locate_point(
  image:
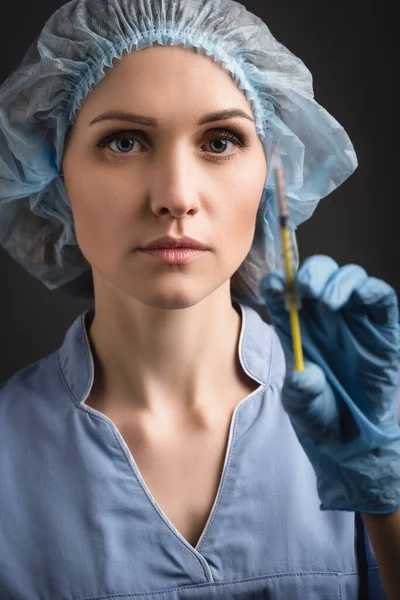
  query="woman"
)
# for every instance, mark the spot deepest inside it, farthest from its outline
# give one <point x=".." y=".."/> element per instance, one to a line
<point x="168" y="449"/>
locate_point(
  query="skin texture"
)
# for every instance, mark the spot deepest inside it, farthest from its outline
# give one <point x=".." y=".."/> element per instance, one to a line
<point x="384" y="533"/>
<point x="164" y="337"/>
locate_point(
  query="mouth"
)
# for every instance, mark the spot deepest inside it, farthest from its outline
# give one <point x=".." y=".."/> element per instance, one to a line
<point x="170" y="243"/>
<point x="177" y="256"/>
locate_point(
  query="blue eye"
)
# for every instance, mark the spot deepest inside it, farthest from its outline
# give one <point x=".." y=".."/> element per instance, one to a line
<point x="124" y="140"/>
<point x="221" y="140"/>
<point x="125" y="143"/>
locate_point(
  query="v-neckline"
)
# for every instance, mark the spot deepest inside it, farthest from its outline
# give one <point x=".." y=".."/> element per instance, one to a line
<point x="228" y="451"/>
<point x="147" y="490"/>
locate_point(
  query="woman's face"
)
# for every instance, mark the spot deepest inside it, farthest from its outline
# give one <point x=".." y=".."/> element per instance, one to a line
<point x="130" y="188"/>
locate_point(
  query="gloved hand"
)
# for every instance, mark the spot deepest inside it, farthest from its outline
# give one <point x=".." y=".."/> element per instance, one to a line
<point x="341" y="406"/>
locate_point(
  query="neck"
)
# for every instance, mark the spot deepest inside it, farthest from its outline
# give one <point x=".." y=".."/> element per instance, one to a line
<point x="165" y="362"/>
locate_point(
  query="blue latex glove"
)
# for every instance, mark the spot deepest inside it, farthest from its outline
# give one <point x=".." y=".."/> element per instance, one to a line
<point x="341" y="406"/>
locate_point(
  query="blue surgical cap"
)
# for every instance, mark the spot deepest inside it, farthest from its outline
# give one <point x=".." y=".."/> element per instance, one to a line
<point x="40" y="99"/>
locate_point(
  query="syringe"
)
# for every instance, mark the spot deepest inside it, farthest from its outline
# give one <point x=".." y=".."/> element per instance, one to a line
<point x="291" y="299"/>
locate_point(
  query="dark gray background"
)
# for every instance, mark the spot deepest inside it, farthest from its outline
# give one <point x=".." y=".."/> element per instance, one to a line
<point x="347" y="47"/>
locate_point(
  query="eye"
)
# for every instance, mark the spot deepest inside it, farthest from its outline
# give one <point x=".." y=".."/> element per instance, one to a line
<point x="225" y="135"/>
<point x="122" y="142"/>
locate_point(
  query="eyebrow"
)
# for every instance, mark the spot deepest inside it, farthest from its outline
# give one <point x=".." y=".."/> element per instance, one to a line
<point x="151" y="122"/>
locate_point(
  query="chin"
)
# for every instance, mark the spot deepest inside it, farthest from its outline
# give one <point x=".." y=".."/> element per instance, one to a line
<point x="176" y="303"/>
<point x="168" y="299"/>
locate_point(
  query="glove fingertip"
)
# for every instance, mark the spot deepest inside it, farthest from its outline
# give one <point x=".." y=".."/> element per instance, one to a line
<point x="273" y="284"/>
<point x="311" y="381"/>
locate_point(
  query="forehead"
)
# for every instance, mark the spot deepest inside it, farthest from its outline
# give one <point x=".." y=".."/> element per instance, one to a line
<point x="167" y="78"/>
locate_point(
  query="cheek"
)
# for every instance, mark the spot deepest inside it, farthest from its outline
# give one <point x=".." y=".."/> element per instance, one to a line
<point x="102" y="211"/>
<point x="92" y="189"/>
<point x="242" y="232"/>
<point x="243" y="203"/>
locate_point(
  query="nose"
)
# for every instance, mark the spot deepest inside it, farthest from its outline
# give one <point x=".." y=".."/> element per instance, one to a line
<point x="175" y="189"/>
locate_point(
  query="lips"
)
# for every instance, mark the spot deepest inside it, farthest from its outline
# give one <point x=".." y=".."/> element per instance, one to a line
<point x="174" y="256"/>
<point x="170" y="243"/>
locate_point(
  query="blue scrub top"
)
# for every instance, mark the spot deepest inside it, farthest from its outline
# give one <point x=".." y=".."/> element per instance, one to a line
<point x="77" y="521"/>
